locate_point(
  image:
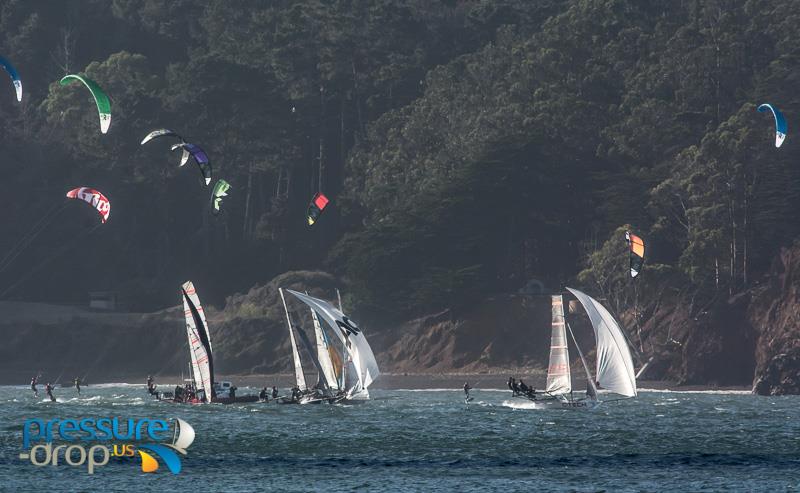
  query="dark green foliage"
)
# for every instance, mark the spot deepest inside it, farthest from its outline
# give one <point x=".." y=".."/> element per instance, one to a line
<point x="468" y="146"/>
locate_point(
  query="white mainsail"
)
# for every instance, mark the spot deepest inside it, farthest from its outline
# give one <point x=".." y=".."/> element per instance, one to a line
<point x="614" y="364"/>
<point x="298" y="367"/>
<point x="559" y="380"/>
<point x="324" y="354"/>
<point x="199" y="341"/>
<point x="350" y="335"/>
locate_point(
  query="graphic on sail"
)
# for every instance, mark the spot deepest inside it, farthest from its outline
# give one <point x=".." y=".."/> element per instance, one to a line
<point x="614" y="364"/>
<point x="199" y="342"/>
<point x="351" y="337"/>
<point x="559" y="380"/>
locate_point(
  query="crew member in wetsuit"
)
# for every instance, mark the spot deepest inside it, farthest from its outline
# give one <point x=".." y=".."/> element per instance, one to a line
<point x="77" y="383"/>
<point x="263" y="396"/>
<point x="151" y="386"/>
<point x="232" y="392"/>
<point x="274" y="392"/>
<point x="515" y="387"/>
<point x="511" y="384"/>
<point x="34" y="381"/>
<point x="467" y="388"/>
<point x="522" y="387"/>
<point x="49" y="389"/>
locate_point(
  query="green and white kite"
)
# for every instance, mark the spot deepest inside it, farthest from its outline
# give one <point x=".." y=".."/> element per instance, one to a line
<point x="220" y="190"/>
<point x="100" y="98"/>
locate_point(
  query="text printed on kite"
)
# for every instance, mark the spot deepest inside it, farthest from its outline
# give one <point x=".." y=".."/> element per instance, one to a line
<point x="100" y="98"/>
<point x="94" y="198"/>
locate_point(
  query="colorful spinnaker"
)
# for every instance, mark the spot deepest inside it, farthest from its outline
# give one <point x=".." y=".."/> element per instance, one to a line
<point x="100" y="98"/>
<point x="14" y="76"/>
<point x="200" y="157"/>
<point x="93" y="197"/>
<point x="780" y="123"/>
<point x="315" y="208"/>
<point x="636" y="247"/>
<point x="220" y="190"/>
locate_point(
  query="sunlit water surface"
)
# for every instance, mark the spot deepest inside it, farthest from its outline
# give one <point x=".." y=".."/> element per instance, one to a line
<point x="408" y="440"/>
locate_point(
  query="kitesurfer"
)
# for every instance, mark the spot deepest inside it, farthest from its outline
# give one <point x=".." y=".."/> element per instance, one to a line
<point x="34" y="381"/>
<point x="49" y="390"/>
<point x="77" y="382"/>
<point x="467" y="388"/>
<point x="274" y="392"/>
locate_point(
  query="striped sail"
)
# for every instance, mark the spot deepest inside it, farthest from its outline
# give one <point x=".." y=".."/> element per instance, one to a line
<point x="559" y="380"/>
<point x="199" y="341"/>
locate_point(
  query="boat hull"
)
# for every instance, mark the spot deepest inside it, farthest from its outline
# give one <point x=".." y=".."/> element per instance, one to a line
<point x="520" y="402"/>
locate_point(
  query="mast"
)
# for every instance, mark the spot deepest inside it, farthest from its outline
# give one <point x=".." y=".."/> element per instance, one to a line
<point x="591" y="389"/>
<point x="345" y="353"/>
<point x="298" y="367"/>
<point x="307" y="344"/>
<point x="326" y="354"/>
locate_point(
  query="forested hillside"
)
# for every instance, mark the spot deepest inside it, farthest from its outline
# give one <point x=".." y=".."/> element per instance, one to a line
<point x="467" y="146"/>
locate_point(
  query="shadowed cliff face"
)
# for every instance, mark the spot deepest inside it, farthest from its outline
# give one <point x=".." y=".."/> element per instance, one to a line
<point x="775" y="312"/>
<point x="752" y="337"/>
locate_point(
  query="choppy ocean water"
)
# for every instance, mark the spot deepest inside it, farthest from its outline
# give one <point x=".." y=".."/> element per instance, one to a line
<point x="410" y="440"/>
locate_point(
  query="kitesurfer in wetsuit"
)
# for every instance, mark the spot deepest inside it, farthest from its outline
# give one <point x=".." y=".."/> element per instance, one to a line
<point x="34" y="381"/>
<point x="467" y="388"/>
<point x="77" y="382"/>
<point x="274" y="392"/>
<point x="49" y="389"/>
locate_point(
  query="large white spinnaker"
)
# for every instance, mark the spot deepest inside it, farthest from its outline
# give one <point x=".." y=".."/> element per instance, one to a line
<point x="352" y="338"/>
<point x="184" y="436"/>
<point x="559" y="380"/>
<point x="326" y="354"/>
<point x="199" y="341"/>
<point x="614" y="364"/>
<point x="300" y="377"/>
